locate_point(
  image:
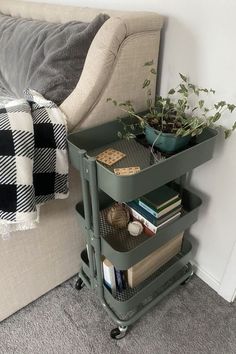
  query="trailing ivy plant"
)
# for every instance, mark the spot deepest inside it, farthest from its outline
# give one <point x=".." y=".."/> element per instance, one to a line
<point x="182" y="112"/>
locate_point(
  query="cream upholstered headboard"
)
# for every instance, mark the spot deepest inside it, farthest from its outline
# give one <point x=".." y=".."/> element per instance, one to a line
<point x="113" y="66"/>
<point x="65" y="13"/>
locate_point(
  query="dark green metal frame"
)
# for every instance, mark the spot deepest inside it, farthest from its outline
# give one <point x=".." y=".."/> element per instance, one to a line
<point x="94" y="178"/>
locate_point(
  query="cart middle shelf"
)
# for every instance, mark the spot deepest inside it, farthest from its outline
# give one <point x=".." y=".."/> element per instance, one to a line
<point x="124" y="250"/>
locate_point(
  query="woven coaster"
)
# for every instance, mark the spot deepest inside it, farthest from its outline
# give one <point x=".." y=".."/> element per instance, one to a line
<point x="110" y="156"/>
<point x="126" y="171"/>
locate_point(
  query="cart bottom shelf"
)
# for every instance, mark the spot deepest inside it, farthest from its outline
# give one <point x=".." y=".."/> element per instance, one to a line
<point x="129" y="293"/>
<point x="148" y="302"/>
<point x="129" y="317"/>
<point x="124" y="303"/>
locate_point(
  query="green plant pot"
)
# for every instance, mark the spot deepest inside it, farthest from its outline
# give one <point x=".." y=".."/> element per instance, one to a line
<point x="166" y="142"/>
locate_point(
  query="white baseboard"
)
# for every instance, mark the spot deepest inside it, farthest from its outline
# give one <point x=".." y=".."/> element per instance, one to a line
<point x="228" y="283"/>
<point x="234" y="296"/>
<point x="207" y="278"/>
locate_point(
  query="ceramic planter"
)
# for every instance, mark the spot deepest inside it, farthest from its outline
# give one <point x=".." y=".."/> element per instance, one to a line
<point x="166" y="142"/>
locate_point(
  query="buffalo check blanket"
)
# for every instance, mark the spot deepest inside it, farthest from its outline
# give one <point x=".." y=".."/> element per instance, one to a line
<point x="33" y="159"/>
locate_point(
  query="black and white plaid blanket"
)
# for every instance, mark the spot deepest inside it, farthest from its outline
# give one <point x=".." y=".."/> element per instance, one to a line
<point x="33" y="159"/>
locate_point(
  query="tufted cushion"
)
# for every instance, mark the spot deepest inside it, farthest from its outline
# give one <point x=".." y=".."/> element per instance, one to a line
<point x="43" y="56"/>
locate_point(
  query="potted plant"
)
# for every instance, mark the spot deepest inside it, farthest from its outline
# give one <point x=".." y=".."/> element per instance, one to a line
<point x="170" y="122"/>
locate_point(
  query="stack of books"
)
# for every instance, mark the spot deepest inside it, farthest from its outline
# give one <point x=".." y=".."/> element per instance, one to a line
<point x="114" y="279"/>
<point x="156" y="209"/>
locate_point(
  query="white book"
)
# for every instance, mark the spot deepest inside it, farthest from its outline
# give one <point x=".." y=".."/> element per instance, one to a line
<point x="148" y="224"/>
<point x="109" y="275"/>
<point x="144" y="221"/>
<point x="172" y="218"/>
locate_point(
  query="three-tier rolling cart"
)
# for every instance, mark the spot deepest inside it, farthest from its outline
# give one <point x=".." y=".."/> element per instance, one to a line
<point x="101" y="187"/>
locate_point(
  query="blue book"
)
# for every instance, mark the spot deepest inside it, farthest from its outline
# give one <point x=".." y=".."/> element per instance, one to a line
<point x="123" y="279"/>
<point x="148" y="209"/>
<point x="150" y="217"/>
<point x="119" y="280"/>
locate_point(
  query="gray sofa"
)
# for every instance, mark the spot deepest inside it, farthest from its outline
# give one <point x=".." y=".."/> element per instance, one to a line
<point x="33" y="262"/>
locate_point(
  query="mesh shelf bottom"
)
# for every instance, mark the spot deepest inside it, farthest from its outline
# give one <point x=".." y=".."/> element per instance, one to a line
<point x="124" y="296"/>
<point x="128" y="293"/>
<point x="119" y="239"/>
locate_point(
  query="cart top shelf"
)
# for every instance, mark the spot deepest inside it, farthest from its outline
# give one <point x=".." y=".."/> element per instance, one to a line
<point x="152" y="175"/>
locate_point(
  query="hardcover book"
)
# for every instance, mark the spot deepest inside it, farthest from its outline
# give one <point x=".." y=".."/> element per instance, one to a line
<point x="109" y="276"/>
<point x="119" y="280"/>
<point x="160" y="197"/>
<point x="148" y="265"/>
<point x="161" y="213"/>
<point x="150" y="217"/>
<point x="150" y="226"/>
<point x="160" y="201"/>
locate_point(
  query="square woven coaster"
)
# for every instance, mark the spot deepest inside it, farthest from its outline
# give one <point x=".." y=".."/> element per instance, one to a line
<point x="110" y="156"/>
<point x="126" y="171"/>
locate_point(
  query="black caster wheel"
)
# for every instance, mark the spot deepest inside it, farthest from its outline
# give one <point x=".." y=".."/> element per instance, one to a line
<point x="187" y="280"/>
<point x="79" y="284"/>
<point x="119" y="332"/>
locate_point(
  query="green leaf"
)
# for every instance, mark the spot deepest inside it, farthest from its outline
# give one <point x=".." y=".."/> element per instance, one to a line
<point x="203" y="90"/>
<point x="179" y="131"/>
<point x="187" y="132"/>
<point x="142" y="124"/>
<point x="184" y="78"/>
<point x="213" y="91"/>
<point x="231" y="107"/>
<point x="130" y="136"/>
<point x="201" y="103"/>
<point x="119" y="134"/>
<point x="227" y="133"/>
<point x="197" y="132"/>
<point x="109" y="99"/>
<point x="171" y="92"/>
<point x="234" y="126"/>
<point x="149" y="63"/>
<point x="153" y="71"/>
<point x="192" y="87"/>
<point x="146" y="83"/>
<point x="216" y="117"/>
<point x="184" y="88"/>
<point x="221" y="103"/>
<point x="114" y="102"/>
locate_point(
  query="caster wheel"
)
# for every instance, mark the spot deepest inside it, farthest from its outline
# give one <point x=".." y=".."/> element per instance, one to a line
<point x="187" y="280"/>
<point x="79" y="284"/>
<point x="119" y="332"/>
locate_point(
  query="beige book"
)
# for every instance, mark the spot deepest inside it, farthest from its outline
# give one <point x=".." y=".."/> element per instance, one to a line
<point x="147" y="266"/>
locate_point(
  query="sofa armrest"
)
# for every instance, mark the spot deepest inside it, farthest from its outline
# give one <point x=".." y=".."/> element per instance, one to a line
<point x="96" y="72"/>
<point x="114" y="68"/>
<point x="136" y="22"/>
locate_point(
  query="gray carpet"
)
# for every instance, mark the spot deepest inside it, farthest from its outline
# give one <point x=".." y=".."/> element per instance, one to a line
<point x="193" y="319"/>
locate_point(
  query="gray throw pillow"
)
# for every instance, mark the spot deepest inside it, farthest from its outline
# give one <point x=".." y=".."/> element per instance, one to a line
<point x="43" y="56"/>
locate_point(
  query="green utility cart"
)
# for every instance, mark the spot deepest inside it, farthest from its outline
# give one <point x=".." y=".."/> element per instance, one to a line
<point x="101" y="187"/>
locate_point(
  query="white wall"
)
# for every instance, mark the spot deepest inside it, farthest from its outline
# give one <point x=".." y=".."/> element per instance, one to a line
<point x="199" y="40"/>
